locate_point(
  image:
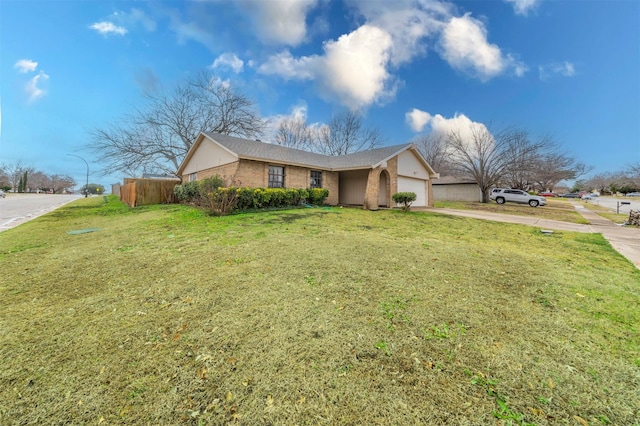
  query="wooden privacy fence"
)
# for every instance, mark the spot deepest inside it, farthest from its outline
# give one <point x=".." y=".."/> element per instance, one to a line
<point x="141" y="192"/>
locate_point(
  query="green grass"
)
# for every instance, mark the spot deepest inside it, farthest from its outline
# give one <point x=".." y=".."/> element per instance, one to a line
<point x="313" y="316"/>
<point x="556" y="209"/>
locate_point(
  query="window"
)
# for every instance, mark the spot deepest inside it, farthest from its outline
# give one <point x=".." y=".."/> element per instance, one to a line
<point x="193" y="177"/>
<point x="276" y="177"/>
<point x="316" y="179"/>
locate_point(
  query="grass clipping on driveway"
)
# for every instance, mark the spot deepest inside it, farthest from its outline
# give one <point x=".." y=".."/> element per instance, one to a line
<point x="312" y="316"/>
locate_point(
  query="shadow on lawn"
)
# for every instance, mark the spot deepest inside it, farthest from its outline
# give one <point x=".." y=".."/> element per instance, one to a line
<point x="289" y="218"/>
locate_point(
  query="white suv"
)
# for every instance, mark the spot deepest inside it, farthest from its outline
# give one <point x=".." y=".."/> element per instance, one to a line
<point x="502" y="195"/>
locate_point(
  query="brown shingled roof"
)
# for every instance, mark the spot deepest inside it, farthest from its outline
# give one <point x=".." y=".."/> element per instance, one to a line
<point x="261" y="151"/>
<point x="256" y="150"/>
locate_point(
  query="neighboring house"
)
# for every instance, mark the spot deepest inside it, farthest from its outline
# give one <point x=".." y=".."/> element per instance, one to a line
<point x="367" y="178"/>
<point x="452" y="188"/>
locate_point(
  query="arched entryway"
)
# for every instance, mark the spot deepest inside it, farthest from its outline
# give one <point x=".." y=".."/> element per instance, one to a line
<point x="383" y="189"/>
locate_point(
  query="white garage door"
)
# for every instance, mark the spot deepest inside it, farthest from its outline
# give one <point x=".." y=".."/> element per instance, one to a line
<point x="418" y="186"/>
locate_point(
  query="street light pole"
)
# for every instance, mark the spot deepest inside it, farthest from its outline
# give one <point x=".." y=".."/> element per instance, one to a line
<point x="86" y="188"/>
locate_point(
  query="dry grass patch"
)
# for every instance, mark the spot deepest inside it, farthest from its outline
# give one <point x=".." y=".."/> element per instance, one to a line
<point x="314" y="316"/>
<point x="556" y="209"/>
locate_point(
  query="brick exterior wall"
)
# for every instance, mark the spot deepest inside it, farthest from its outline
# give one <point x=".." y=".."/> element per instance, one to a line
<point x="372" y="192"/>
<point x="331" y="181"/>
<point x="226" y="172"/>
<point x="252" y="174"/>
<point x="392" y="168"/>
<point x="255" y="174"/>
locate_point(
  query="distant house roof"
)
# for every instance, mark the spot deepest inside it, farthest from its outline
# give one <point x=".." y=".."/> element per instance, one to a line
<point x="260" y="151"/>
<point x="454" y="180"/>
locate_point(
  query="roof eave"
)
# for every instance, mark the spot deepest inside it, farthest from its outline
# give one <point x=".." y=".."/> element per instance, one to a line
<point x="286" y="163"/>
<point x="346" y="169"/>
<point x="396" y="153"/>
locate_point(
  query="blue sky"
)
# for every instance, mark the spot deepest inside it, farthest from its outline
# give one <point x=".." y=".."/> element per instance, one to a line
<point x="570" y="69"/>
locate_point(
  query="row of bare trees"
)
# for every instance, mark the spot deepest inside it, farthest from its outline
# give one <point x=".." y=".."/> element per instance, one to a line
<point x="155" y="137"/>
<point x="18" y="177"/>
<point x="623" y="181"/>
<point x="508" y="157"/>
<point x="345" y="133"/>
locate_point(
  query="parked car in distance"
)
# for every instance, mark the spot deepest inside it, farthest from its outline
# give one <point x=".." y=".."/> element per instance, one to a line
<point x="587" y="197"/>
<point x="633" y="194"/>
<point x="503" y="195"/>
<point x="570" y="195"/>
<point x="548" y="194"/>
<point x="2" y="194"/>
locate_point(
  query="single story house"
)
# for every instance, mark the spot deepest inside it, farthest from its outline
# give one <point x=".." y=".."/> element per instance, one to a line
<point x="452" y="188"/>
<point x="366" y="178"/>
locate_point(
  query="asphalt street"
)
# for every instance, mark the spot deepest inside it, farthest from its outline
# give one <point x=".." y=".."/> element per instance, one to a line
<point x="19" y="208"/>
<point x="614" y="204"/>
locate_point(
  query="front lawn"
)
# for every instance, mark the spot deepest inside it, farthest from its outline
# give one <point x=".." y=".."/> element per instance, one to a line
<point x="164" y="315"/>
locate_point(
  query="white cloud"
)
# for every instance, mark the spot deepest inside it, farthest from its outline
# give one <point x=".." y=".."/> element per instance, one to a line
<point x="286" y="66"/>
<point x="469" y="132"/>
<point x="459" y="123"/>
<point x="106" y="28"/>
<point x="355" y="66"/>
<point x="358" y="68"/>
<point x="229" y="60"/>
<point x="280" y="21"/>
<point x="26" y="65"/>
<point x="32" y="87"/>
<point x="417" y="119"/>
<point x="522" y="7"/>
<point x="352" y="69"/>
<point x="465" y="47"/>
<point x="297" y="112"/>
<point x="519" y="68"/>
<point x="137" y="16"/>
<point x="564" y="69"/>
<point x="191" y="30"/>
<point x="408" y="23"/>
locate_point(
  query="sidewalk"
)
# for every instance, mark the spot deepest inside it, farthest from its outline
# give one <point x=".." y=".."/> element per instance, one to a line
<point x="625" y="239"/>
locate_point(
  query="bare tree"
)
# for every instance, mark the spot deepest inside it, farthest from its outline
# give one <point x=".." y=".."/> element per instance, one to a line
<point x="433" y="147"/>
<point x="4" y="179"/>
<point x="346" y="134"/>
<point x="488" y="157"/>
<point x="293" y="132"/>
<point x="156" y="137"/>
<point x="60" y="183"/>
<point x="38" y="181"/>
<point x="553" y="167"/>
<point x="600" y="182"/>
<point x="14" y="173"/>
<point x="519" y="171"/>
<point x="633" y="171"/>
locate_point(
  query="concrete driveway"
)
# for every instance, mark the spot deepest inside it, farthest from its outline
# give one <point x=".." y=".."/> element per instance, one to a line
<point x="16" y="209"/>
